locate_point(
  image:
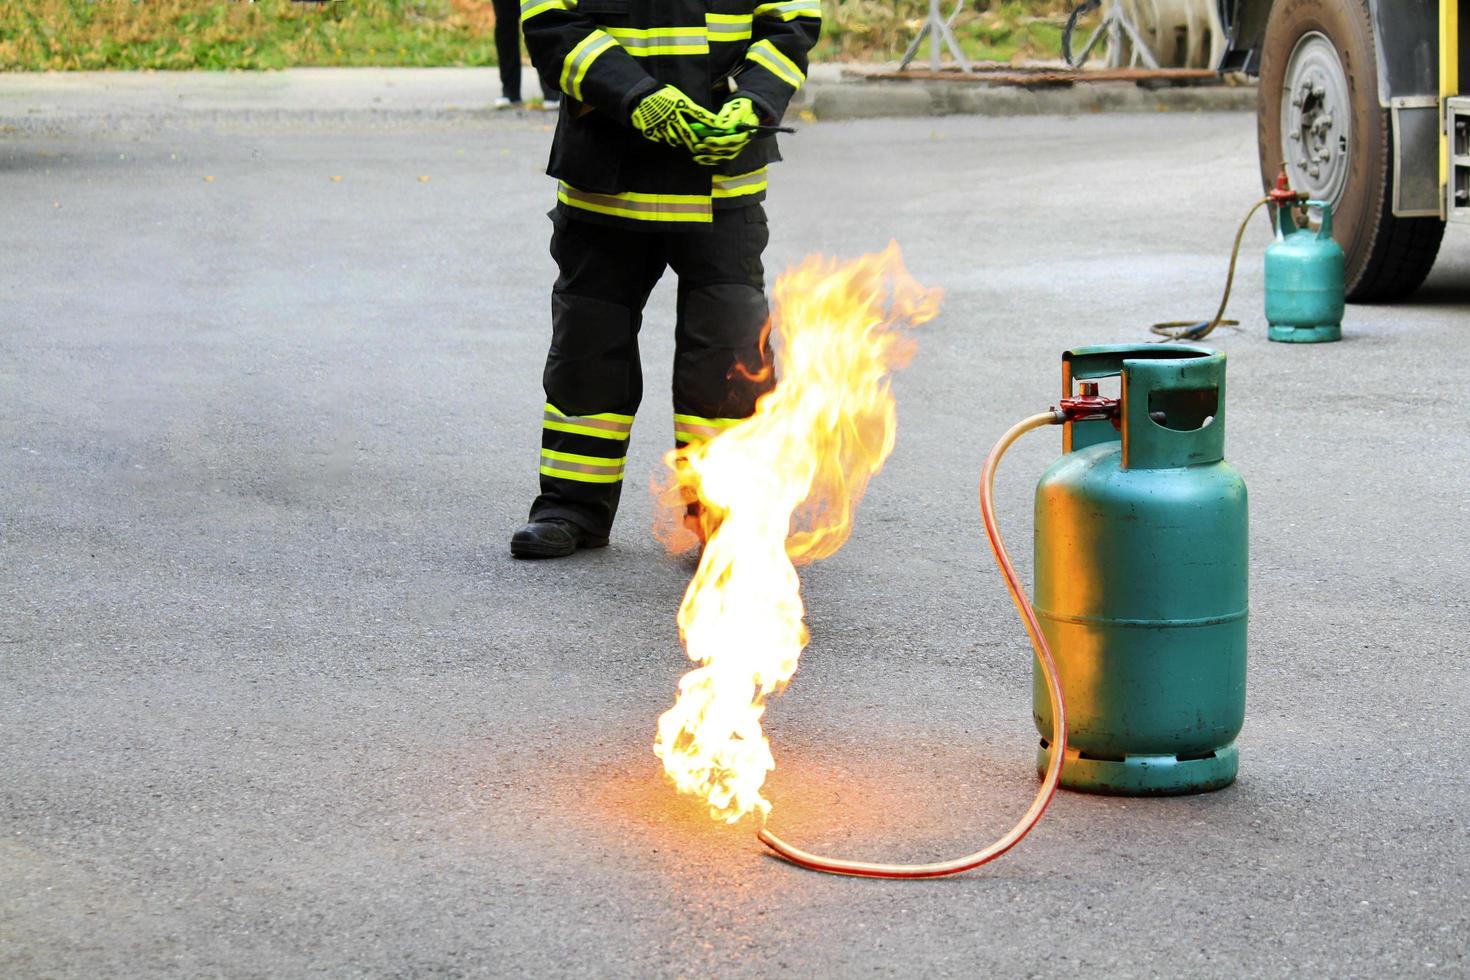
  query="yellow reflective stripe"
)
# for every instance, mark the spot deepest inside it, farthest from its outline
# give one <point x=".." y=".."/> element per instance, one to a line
<point x="716" y="422"/>
<point x="588" y="469"/>
<point x="790" y="10"/>
<point x="692" y="428"/>
<point x="580" y="477"/>
<point x="739" y="185"/>
<point x="583" y="430"/>
<point x="626" y="421"/>
<point x="648" y="42"/>
<point x="530" y="8"/>
<point x="765" y="54"/>
<point x="579" y="59"/>
<point x="639" y="206"/>
<point x="604" y="426"/>
<point x="727" y="27"/>
<point x="598" y="461"/>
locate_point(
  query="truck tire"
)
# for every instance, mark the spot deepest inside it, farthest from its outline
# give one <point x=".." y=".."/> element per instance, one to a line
<point x="1318" y="111"/>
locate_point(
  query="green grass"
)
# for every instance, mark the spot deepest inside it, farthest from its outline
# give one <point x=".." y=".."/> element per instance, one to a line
<point x="72" y="35"/>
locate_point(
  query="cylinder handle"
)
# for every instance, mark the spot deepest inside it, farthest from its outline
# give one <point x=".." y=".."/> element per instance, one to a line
<point x="1324" y="231"/>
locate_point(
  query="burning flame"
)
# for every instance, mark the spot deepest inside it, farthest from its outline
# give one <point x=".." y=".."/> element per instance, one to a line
<point x="777" y="489"/>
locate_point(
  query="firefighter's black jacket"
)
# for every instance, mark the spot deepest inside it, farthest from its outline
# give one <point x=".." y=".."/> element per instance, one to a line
<point x="607" y="55"/>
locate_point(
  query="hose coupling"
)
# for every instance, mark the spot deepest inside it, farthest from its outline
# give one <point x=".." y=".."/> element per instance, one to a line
<point x="1282" y="195"/>
<point x="1088" y="405"/>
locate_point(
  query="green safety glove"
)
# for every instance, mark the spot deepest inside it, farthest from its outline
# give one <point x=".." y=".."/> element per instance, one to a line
<point x="669" y="116"/>
<point x="738" y="111"/>
<point x="735" y="124"/>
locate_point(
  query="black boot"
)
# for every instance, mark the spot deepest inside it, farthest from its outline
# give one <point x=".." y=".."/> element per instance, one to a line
<point x="552" y="538"/>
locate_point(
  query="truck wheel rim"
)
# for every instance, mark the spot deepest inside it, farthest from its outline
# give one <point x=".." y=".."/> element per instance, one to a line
<point x="1316" y="118"/>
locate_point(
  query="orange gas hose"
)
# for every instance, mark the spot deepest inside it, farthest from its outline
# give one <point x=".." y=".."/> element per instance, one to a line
<point x="939" y="869"/>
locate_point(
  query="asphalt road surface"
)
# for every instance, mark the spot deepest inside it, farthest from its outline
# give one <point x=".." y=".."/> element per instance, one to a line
<point x="275" y="700"/>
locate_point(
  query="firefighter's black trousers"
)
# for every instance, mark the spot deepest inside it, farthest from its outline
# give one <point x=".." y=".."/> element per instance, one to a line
<point x="593" y="378"/>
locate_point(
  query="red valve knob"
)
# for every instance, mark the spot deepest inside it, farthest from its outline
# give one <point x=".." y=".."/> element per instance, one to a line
<point x="1282" y="195"/>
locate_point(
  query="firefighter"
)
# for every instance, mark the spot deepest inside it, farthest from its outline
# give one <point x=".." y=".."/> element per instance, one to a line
<point x="658" y="168"/>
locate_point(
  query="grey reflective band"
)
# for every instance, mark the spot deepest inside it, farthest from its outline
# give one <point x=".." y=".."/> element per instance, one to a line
<point x="790" y="9"/>
<point x="693" y="428"/>
<point x="737" y="31"/>
<point x="530" y="8"/>
<point x="769" y="57"/>
<point x="677" y="38"/>
<point x="692" y="432"/>
<point x="604" y="426"/>
<point x="639" y="206"/>
<point x="582" y="57"/>
<point x="579" y="468"/>
<point x="752" y="179"/>
<point x="613" y="467"/>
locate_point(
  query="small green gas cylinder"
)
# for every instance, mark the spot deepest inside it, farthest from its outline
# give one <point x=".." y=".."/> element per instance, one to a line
<point x="1304" y="280"/>
<point x="1141" y="577"/>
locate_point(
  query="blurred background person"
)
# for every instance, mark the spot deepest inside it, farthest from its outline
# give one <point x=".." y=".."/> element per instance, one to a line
<point x="508" y="54"/>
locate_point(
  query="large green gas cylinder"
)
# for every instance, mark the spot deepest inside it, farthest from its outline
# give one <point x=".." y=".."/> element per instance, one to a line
<point x="1141" y="577"/>
<point x="1304" y="281"/>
